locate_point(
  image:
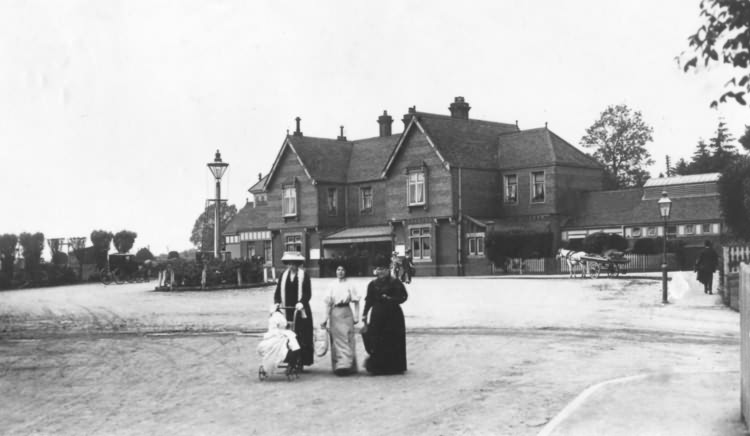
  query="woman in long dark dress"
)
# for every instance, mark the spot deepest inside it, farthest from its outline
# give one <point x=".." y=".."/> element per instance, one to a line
<point x="293" y="292"/>
<point x="385" y="336"/>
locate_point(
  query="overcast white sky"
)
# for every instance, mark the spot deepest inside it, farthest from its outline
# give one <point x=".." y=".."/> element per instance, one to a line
<point x="110" y="110"/>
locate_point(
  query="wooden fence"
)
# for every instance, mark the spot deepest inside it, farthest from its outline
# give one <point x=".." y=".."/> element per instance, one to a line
<point x="551" y="265"/>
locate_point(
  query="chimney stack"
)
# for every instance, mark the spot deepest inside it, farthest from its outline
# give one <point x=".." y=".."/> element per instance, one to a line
<point x="298" y="132"/>
<point x="341" y="136"/>
<point x="407" y="117"/>
<point x="260" y="176"/>
<point x="460" y="109"/>
<point x="385" y="122"/>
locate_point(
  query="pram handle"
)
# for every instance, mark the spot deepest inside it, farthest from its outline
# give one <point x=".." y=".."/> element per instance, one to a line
<point x="302" y="311"/>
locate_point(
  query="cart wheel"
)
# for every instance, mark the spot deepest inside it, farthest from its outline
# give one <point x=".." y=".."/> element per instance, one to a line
<point x="116" y="276"/>
<point x="105" y="276"/>
<point x="262" y="374"/>
<point x="595" y="270"/>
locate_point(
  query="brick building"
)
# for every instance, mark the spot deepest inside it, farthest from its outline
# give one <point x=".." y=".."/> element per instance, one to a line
<point x="437" y="188"/>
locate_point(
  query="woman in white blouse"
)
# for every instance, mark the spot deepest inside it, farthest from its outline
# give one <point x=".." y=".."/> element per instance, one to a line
<point x="342" y="319"/>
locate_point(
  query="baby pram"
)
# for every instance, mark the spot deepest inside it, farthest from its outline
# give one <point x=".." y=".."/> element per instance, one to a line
<point x="279" y="349"/>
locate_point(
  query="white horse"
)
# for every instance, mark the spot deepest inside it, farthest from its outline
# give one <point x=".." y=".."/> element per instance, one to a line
<point x="573" y="258"/>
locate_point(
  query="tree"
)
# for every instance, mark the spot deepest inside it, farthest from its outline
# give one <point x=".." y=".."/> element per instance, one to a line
<point x="714" y="156"/>
<point x="32" y="246"/>
<point x="600" y="242"/>
<point x="723" y="38"/>
<point x="143" y="255"/>
<point x="124" y="240"/>
<point x="619" y="137"/>
<point x="734" y="197"/>
<point x="101" y="240"/>
<point x="203" y="229"/>
<point x="745" y="139"/>
<point x="8" y="243"/>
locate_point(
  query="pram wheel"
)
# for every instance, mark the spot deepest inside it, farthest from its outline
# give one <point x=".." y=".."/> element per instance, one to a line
<point x="292" y="372"/>
<point x="262" y="373"/>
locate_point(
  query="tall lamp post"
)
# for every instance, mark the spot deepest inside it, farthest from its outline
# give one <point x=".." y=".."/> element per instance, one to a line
<point x="665" y="206"/>
<point x="217" y="168"/>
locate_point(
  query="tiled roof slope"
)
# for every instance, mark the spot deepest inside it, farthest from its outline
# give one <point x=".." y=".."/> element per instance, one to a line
<point x="465" y="143"/>
<point x="326" y="159"/>
<point x="248" y="218"/>
<point x="258" y="186"/>
<point x="369" y="156"/>
<point x="626" y="207"/>
<point x="539" y="147"/>
<point x="682" y="180"/>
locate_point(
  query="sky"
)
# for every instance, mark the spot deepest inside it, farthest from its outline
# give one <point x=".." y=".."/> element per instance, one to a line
<point x="110" y="110"/>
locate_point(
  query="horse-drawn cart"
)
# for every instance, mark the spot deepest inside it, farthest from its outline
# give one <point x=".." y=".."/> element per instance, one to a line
<point x="613" y="266"/>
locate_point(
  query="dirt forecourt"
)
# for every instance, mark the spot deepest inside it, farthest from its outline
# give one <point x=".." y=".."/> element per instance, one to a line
<point x="503" y="356"/>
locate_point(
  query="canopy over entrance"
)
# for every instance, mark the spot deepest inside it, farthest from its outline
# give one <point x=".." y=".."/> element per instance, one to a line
<point x="357" y="235"/>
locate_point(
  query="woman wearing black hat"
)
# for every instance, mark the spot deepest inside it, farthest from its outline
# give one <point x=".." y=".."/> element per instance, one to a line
<point x="706" y="265"/>
<point x="385" y="333"/>
<point x="293" y="293"/>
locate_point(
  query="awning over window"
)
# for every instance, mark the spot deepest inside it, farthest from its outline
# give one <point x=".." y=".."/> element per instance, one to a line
<point x="355" y="235"/>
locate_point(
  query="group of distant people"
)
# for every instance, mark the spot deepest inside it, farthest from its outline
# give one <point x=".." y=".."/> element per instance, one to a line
<point x="383" y="328"/>
<point x="402" y="268"/>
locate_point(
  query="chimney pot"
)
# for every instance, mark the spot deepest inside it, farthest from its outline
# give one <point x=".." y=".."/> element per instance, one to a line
<point x="341" y="136"/>
<point x="385" y="121"/>
<point x="407" y="117"/>
<point x="298" y="132"/>
<point x="260" y="176"/>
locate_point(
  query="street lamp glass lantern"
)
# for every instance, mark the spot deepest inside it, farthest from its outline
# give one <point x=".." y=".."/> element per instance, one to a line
<point x="665" y="205"/>
<point x="218" y="167"/>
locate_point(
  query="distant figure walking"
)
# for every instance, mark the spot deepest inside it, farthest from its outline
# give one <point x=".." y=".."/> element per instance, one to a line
<point x="385" y="334"/>
<point x="705" y="266"/>
<point x="408" y="267"/>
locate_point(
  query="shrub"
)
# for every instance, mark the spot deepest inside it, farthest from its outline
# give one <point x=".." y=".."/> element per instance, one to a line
<point x="501" y="246"/>
<point x="600" y="242"/>
<point x="646" y="246"/>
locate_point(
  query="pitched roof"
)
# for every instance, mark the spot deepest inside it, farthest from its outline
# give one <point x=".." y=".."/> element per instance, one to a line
<point x="258" y="186"/>
<point x="248" y="218"/>
<point x="369" y="156"/>
<point x="682" y="180"/>
<point x="466" y="143"/>
<point x="540" y="147"/>
<point x="627" y="207"/>
<point x="326" y="160"/>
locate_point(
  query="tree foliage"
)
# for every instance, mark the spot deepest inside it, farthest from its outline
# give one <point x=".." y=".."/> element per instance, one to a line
<point x="101" y="240"/>
<point x="502" y="245"/>
<point x="143" y="255"/>
<point x="203" y="229"/>
<point x="600" y="242"/>
<point x="619" y="138"/>
<point x="712" y="156"/>
<point x="32" y="246"/>
<point x="124" y="240"/>
<point x="723" y="38"/>
<point x="8" y="243"/>
<point x="734" y="197"/>
<point x="745" y="139"/>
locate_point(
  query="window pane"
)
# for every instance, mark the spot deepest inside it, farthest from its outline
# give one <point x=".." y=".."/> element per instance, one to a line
<point x="480" y="245"/>
<point x="472" y="245"/>
<point x="416" y="249"/>
<point x="706" y="228"/>
<point x="426" y="252"/>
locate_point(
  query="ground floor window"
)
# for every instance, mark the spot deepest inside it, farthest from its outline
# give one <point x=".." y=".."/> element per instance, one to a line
<point x="267" y="251"/>
<point x="293" y="243"/>
<point x="420" y="240"/>
<point x="476" y="244"/>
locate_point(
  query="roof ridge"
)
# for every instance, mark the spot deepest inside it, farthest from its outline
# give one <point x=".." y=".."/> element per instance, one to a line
<point x="574" y="148"/>
<point x="448" y="117"/>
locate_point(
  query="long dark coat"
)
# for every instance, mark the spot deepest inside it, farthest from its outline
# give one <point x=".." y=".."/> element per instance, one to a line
<point x="302" y="327"/>
<point x="706" y="265"/>
<point x="385" y="339"/>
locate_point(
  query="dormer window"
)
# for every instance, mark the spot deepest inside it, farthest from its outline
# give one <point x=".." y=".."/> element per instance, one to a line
<point x="289" y="200"/>
<point x="416" y="188"/>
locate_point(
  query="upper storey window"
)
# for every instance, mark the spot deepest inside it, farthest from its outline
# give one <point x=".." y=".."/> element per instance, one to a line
<point x="511" y="189"/>
<point x="537" y="187"/>
<point x="416" y="188"/>
<point x="289" y="200"/>
<point x="365" y="200"/>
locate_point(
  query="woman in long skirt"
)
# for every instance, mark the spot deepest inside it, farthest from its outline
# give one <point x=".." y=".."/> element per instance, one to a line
<point x="293" y="293"/>
<point x="385" y="334"/>
<point x="338" y="300"/>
